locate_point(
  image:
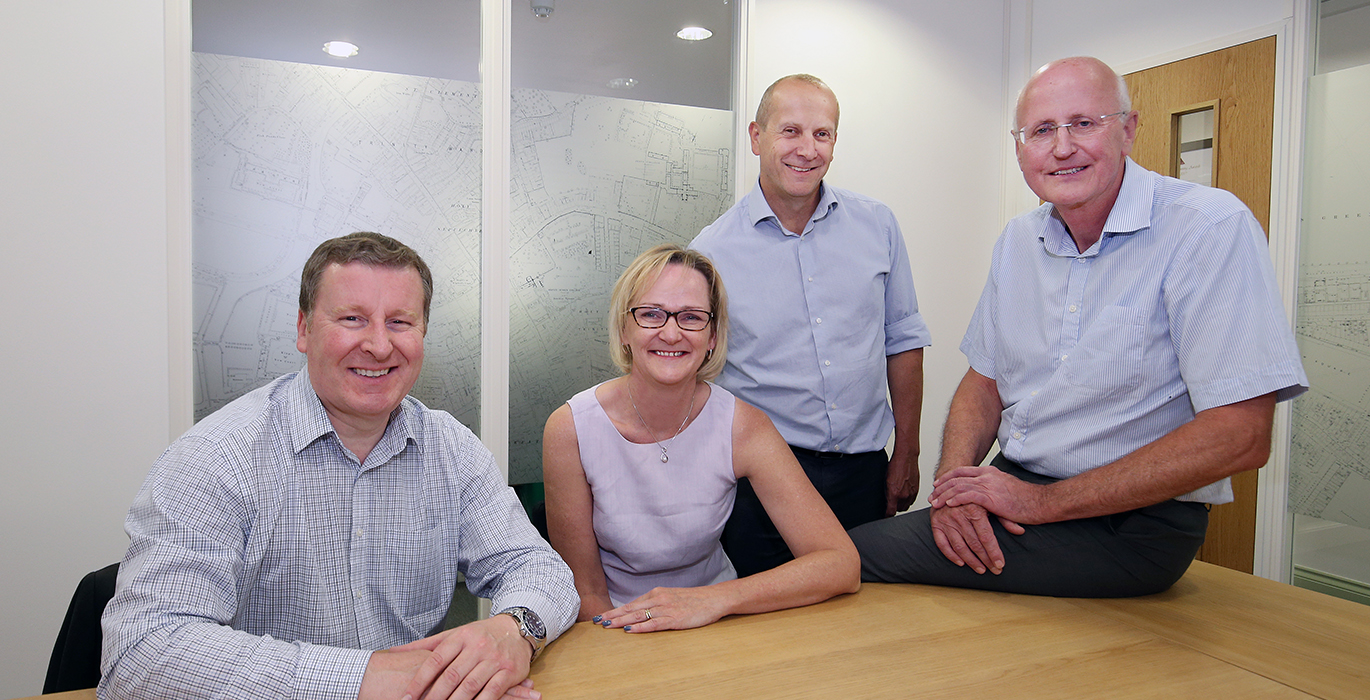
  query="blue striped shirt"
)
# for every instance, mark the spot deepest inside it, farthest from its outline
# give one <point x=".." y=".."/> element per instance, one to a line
<point x="1173" y="311"/>
<point x="813" y="315"/>
<point x="265" y="562"/>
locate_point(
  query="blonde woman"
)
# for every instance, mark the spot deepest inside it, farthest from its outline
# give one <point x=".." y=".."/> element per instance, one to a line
<point x="641" y="471"/>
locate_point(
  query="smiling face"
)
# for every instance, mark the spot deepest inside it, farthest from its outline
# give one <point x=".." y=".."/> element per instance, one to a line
<point x="1081" y="176"/>
<point x="364" y="342"/>
<point x="795" y="144"/>
<point x="668" y="355"/>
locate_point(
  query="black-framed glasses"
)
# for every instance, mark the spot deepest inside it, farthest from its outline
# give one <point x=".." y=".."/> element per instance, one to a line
<point x="656" y="317"/>
<point x="1079" y="127"/>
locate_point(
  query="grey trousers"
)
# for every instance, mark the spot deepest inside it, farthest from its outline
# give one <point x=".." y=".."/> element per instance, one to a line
<point x="1133" y="553"/>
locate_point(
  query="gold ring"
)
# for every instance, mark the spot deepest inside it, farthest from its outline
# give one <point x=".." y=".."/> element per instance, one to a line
<point x="649" y="613"/>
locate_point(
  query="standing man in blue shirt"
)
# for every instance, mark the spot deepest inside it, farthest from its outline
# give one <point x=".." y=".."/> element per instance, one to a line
<point x="304" y="541"/>
<point x="824" y="319"/>
<point x="1127" y="354"/>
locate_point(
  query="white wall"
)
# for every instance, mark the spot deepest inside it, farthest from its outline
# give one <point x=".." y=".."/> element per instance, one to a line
<point x="83" y="205"/>
<point x="921" y="90"/>
<point x="1119" y="33"/>
<point x="84" y="410"/>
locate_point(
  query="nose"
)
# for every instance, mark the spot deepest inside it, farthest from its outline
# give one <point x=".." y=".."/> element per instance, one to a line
<point x="808" y="146"/>
<point x="671" y="332"/>
<point x="376" y="341"/>
<point x="1063" y="141"/>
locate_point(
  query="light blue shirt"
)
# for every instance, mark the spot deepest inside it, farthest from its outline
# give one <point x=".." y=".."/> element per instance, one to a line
<point x="813" y="314"/>
<point x="1173" y="311"/>
<point x="265" y="562"/>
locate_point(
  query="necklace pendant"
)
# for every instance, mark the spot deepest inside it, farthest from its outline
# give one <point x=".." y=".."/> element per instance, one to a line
<point x="664" y="458"/>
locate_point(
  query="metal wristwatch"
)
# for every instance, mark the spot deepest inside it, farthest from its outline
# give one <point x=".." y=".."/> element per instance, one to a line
<point x="530" y="626"/>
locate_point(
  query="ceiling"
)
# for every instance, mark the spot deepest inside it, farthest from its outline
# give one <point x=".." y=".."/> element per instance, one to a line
<point x="579" y="48"/>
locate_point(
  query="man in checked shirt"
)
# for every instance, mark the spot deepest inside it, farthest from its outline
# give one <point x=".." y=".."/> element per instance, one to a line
<point x="326" y="515"/>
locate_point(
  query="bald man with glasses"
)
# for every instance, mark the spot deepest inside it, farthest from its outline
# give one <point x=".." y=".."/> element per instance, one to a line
<point x="1127" y="354"/>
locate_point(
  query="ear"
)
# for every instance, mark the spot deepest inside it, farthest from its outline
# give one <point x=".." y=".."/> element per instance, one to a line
<point x="302" y="331"/>
<point x="755" y="131"/>
<point x="1130" y="124"/>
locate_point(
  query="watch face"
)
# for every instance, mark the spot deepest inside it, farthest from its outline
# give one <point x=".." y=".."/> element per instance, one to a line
<point x="535" y="625"/>
<point x="529" y="620"/>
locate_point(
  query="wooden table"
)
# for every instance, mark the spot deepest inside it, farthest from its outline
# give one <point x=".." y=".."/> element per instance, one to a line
<point x="1217" y="633"/>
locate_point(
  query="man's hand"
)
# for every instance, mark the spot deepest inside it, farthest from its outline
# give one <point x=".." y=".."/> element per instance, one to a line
<point x="1008" y="497"/>
<point x="901" y="482"/>
<point x="485" y="660"/>
<point x="964" y="535"/>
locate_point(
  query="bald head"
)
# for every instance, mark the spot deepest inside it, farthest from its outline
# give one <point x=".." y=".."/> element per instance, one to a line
<point x="1092" y="68"/>
<point x="767" y="105"/>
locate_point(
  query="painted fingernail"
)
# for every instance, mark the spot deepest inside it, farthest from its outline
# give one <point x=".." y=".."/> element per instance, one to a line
<point x="606" y="623"/>
<point x="627" y="628"/>
<point x="597" y="618"/>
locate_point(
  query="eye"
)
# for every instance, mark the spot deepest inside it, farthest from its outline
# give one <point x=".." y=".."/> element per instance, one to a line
<point x="823" y="135"/>
<point x="1085" y="124"/>
<point x="789" y="131"/>
<point x="1042" y="130"/>
<point x="651" y="314"/>
<point x="693" y="318"/>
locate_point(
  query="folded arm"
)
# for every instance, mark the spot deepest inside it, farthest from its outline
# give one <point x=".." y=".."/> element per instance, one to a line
<point x="825" y="564"/>
<point x="1218" y="443"/>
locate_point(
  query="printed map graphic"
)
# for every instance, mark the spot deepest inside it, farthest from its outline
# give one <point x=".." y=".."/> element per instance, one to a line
<point x="1330" y="465"/>
<point x="595" y="182"/>
<point x="287" y="155"/>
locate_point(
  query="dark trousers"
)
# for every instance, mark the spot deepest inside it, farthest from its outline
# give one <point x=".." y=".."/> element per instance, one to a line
<point x="1126" y="554"/>
<point x="852" y="484"/>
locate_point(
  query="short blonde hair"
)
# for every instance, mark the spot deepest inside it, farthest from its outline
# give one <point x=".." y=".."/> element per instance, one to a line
<point x="643" y="273"/>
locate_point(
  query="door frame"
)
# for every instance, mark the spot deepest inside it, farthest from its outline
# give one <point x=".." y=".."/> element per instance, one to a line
<point x="1293" y="56"/>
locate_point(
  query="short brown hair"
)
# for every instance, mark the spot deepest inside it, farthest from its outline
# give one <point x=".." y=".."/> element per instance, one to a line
<point x="643" y="273"/>
<point x="367" y="248"/>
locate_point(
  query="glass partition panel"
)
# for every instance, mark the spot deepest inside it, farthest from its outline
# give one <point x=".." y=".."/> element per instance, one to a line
<point x="622" y="139"/>
<point x="293" y="146"/>
<point x="1329" y="486"/>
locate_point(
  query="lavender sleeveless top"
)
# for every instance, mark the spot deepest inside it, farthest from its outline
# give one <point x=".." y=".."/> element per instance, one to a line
<point x="659" y="524"/>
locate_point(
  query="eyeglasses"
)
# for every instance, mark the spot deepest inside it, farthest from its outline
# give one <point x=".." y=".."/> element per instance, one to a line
<point x="1080" y="127"/>
<point x="686" y="319"/>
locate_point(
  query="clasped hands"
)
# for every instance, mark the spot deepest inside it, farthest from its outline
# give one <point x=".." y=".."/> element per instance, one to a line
<point x="963" y="500"/>
<point x="484" y="660"/>
<point x="665" y="609"/>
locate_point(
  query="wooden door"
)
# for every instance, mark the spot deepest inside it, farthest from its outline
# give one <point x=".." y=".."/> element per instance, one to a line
<point x="1240" y="82"/>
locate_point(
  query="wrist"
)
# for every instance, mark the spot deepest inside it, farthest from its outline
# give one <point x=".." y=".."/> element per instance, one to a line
<point x="529" y="626"/>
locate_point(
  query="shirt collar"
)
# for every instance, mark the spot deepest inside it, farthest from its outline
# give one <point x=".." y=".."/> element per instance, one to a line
<point x="1131" y="213"/>
<point x="309" y="420"/>
<point x="759" y="210"/>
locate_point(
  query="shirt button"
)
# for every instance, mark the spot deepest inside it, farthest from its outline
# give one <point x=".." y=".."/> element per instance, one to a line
<point x="357" y="593"/>
<point x="810" y="279"/>
<point x="832" y="406"/>
<point x="1034" y="392"/>
<point x="818" y="320"/>
<point x="1063" y="357"/>
<point x="1074" y="308"/>
<point x="827" y="363"/>
<point x="1017" y="435"/>
<point x="359" y="532"/>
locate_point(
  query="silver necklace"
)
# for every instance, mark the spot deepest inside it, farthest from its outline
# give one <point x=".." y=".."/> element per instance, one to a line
<point x="664" y="457"/>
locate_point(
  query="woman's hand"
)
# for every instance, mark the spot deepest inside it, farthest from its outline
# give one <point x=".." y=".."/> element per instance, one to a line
<point x="667" y="609"/>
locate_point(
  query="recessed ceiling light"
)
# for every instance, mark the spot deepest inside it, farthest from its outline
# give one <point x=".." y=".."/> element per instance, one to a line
<point x="623" y="83"/>
<point x="694" y="34"/>
<point x="340" y="49"/>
